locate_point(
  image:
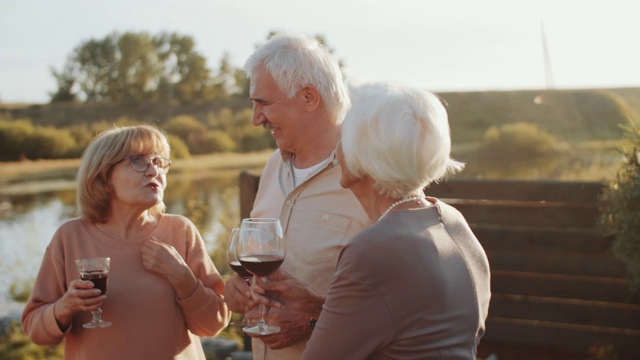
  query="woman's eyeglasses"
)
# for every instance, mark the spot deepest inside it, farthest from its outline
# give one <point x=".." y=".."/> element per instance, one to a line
<point x="141" y="163"/>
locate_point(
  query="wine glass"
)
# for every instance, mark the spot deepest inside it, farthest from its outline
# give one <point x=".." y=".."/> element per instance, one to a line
<point x="261" y="251"/>
<point x="97" y="271"/>
<point x="234" y="264"/>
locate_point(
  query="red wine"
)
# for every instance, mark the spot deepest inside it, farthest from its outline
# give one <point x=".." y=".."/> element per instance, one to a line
<point x="239" y="269"/>
<point x="261" y="265"/>
<point x="98" y="278"/>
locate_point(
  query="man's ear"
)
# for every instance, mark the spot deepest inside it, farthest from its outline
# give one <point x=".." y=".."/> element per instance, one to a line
<point x="311" y="97"/>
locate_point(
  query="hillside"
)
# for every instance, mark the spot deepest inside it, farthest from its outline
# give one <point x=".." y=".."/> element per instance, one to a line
<point x="572" y="115"/>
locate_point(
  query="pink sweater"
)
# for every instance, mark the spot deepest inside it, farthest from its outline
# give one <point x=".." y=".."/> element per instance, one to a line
<point x="149" y="322"/>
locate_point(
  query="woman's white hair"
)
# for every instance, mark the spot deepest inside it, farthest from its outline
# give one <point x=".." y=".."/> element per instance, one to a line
<point x="399" y="136"/>
<point x="294" y="61"/>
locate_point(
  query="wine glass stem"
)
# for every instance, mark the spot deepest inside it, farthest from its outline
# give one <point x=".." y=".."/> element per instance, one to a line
<point x="261" y="322"/>
<point x="97" y="315"/>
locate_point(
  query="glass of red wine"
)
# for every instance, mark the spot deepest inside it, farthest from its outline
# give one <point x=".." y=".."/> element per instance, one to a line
<point x="234" y="264"/>
<point x="95" y="270"/>
<point x="261" y="250"/>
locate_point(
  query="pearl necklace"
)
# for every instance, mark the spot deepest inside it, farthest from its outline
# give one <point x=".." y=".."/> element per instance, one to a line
<point x="398" y="203"/>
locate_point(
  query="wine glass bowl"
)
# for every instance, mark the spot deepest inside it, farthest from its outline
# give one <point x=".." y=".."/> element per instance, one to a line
<point x="95" y="270"/>
<point x="261" y="250"/>
<point x="232" y="255"/>
<point x="236" y="266"/>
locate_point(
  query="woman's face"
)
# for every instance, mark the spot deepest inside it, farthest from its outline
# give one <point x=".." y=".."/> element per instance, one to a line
<point x="135" y="189"/>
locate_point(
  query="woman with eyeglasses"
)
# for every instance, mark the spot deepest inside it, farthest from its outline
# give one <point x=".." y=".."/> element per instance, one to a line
<point x="163" y="289"/>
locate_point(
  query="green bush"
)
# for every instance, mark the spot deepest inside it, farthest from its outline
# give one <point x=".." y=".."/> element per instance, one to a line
<point x="621" y="209"/>
<point x="519" y="143"/>
<point x="179" y="149"/>
<point x="20" y="290"/>
<point x="48" y="143"/>
<point x="185" y="127"/>
<point x="215" y="141"/>
<point x="15" y="345"/>
<point x="13" y="135"/>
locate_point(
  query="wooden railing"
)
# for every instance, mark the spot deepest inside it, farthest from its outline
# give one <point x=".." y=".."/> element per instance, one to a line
<point x="557" y="290"/>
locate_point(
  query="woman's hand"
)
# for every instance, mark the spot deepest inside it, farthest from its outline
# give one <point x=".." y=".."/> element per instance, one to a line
<point x="237" y="294"/>
<point x="80" y="297"/>
<point x="163" y="259"/>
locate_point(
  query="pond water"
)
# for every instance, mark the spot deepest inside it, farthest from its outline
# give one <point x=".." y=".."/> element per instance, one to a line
<point x="27" y="222"/>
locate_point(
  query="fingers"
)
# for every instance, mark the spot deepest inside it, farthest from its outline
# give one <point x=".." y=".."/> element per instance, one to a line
<point x="81" y="296"/>
<point x="237" y="294"/>
<point x="160" y="258"/>
<point x="260" y="296"/>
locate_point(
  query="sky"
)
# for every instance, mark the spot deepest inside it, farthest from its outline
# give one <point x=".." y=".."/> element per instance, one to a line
<point x="445" y="45"/>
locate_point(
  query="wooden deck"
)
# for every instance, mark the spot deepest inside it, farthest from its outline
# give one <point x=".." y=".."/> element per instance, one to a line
<point x="557" y="290"/>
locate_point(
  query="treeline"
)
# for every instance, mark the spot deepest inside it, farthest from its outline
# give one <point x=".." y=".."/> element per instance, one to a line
<point x="133" y="68"/>
<point x="140" y="67"/>
<point x="222" y="131"/>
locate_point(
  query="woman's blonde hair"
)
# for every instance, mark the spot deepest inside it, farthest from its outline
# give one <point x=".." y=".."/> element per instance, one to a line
<point x="110" y="147"/>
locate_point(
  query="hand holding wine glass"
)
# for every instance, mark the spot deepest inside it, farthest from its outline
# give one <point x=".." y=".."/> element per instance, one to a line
<point x="234" y="264"/>
<point x="261" y="250"/>
<point x="95" y="270"/>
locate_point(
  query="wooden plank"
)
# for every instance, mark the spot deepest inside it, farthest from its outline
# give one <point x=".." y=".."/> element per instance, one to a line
<point x="572" y="311"/>
<point x="552" y="335"/>
<point x="505" y="351"/>
<point x="562" y="286"/>
<point x="542" y="239"/>
<point x="550" y="191"/>
<point x="527" y="214"/>
<point x="248" y="184"/>
<point x="557" y="263"/>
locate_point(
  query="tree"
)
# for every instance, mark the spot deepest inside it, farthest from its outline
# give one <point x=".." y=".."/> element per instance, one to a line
<point x="134" y="67"/>
<point x="66" y="82"/>
<point x="185" y="76"/>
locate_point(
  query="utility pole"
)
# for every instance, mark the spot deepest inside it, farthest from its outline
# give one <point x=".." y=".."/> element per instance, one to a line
<point x="547" y="62"/>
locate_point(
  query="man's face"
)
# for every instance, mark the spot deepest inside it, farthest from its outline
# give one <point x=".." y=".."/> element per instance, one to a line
<point x="274" y="110"/>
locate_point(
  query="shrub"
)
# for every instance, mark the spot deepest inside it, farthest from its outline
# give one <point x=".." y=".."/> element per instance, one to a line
<point x="13" y="135"/>
<point x="179" y="149"/>
<point x="185" y="127"/>
<point x="215" y="141"/>
<point x="48" y="143"/>
<point x="519" y="143"/>
<point x="14" y="344"/>
<point x="621" y="207"/>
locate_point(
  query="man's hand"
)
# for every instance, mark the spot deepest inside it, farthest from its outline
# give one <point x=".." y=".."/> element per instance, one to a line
<point x="281" y="290"/>
<point x="294" y="327"/>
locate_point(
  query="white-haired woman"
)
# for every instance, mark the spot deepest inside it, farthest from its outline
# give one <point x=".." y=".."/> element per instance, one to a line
<point x="414" y="285"/>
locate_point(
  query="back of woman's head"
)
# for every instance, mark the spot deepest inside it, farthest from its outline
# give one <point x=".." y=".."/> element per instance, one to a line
<point x="399" y="136"/>
<point x="295" y="61"/>
<point x="108" y="148"/>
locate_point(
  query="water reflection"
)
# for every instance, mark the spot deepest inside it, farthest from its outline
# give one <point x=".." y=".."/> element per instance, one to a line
<point x="27" y="222"/>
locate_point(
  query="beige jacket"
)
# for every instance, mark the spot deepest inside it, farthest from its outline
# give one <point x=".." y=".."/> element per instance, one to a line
<point x="318" y="217"/>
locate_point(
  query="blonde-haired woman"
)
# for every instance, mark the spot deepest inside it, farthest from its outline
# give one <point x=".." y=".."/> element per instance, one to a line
<point x="164" y="291"/>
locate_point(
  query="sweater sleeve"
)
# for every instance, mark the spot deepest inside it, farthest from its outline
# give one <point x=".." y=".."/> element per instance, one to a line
<point x="205" y="311"/>
<point x="38" y="320"/>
